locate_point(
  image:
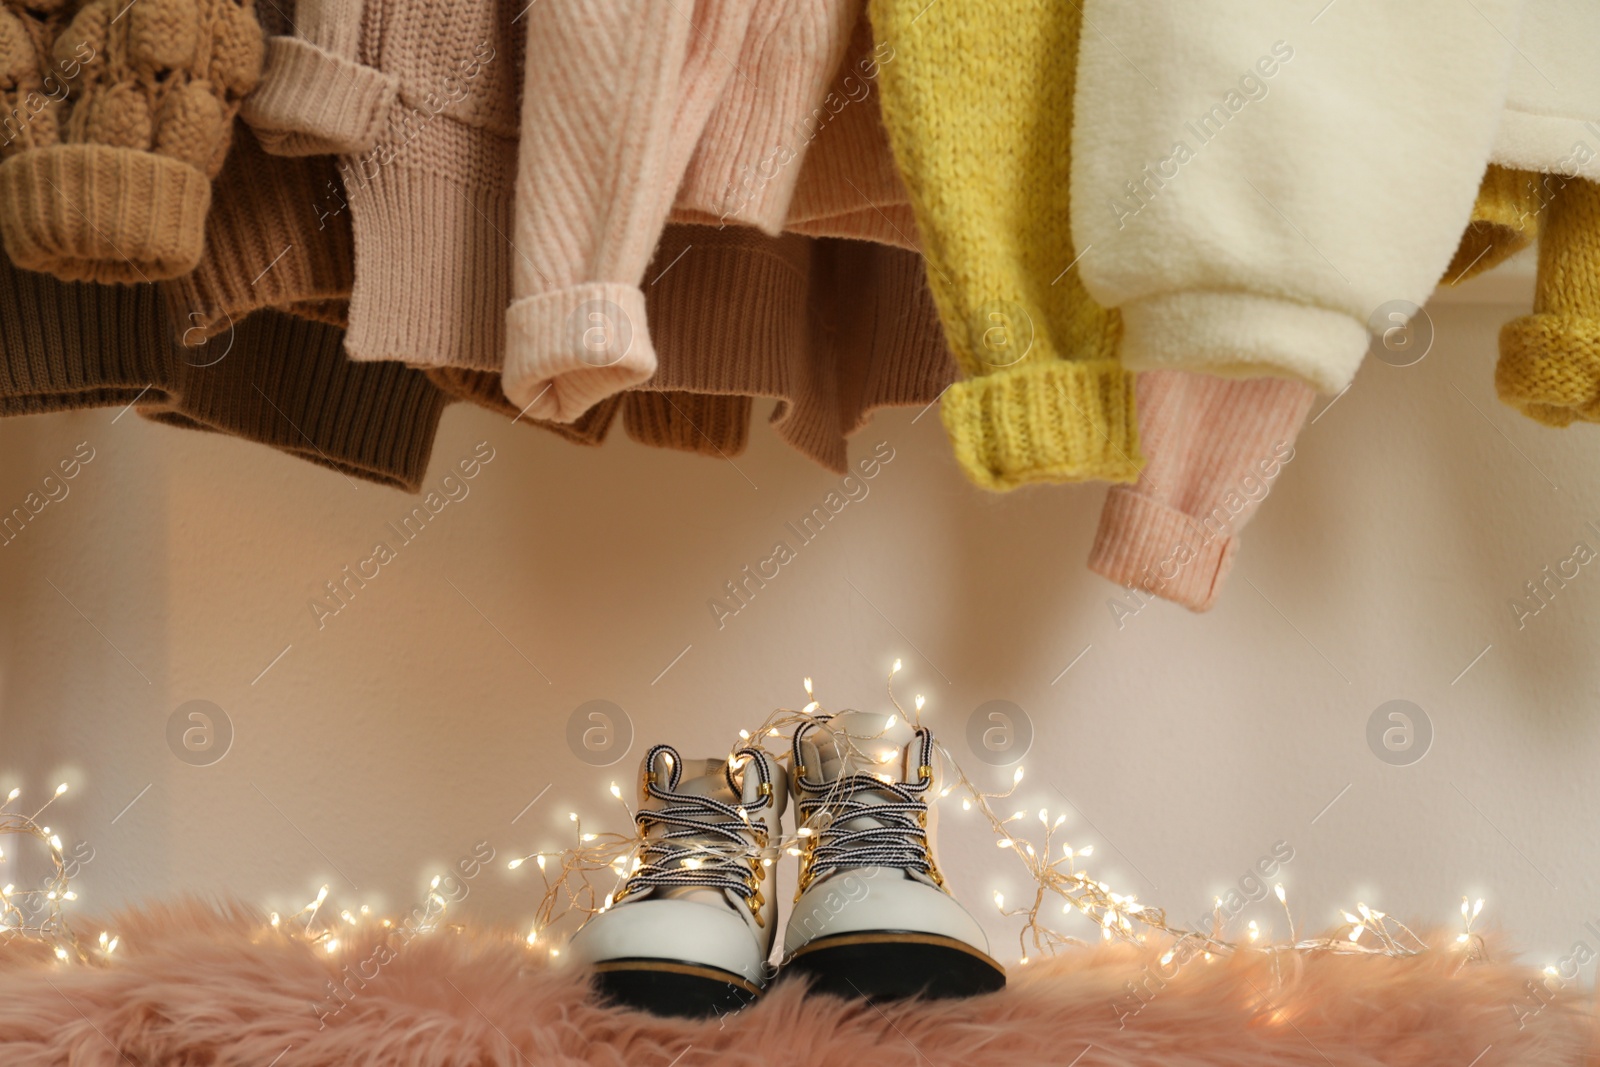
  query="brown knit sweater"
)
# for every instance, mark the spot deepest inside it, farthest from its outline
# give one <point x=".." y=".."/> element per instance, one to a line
<point x="271" y="378"/>
<point x="116" y="124"/>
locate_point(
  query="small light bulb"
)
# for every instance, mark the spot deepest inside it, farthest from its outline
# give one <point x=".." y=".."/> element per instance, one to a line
<point x="533" y="936"/>
<point x="616" y="790"/>
<point x="1255" y="931"/>
<point x="896" y="669"/>
<point x="540" y="861"/>
<point x="331" y="945"/>
<point x="1278" y="889"/>
<point x="1017" y="777"/>
<point x="1086" y="850"/>
<point x="62" y="788"/>
<point x="999" y="899"/>
<point x="514" y="864"/>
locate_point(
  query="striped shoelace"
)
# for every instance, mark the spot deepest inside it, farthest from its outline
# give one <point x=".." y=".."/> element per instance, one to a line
<point x="700" y="841"/>
<point x="899" y="810"/>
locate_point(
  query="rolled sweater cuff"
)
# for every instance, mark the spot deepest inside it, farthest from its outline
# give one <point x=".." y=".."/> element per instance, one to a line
<point x="1549" y="368"/>
<point x="570" y="348"/>
<point x="1242" y="335"/>
<point x="311" y="102"/>
<point x="1147" y="545"/>
<point x="91" y="212"/>
<point x="1062" y="421"/>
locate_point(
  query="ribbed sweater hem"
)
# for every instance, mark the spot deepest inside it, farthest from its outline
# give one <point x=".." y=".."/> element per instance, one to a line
<point x="290" y="387"/>
<point x="91" y="212"/>
<point x="433" y="279"/>
<point x="1062" y="421"/>
<point x="1160" y="550"/>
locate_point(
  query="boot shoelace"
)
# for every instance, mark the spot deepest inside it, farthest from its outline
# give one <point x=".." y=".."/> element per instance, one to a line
<point x="706" y="841"/>
<point x="899" y="841"/>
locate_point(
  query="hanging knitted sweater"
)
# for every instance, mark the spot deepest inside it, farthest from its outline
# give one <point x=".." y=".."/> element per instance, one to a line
<point x="980" y="122"/>
<point x="115" y="125"/>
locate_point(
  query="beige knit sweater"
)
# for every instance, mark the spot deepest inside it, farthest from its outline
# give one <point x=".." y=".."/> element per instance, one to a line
<point x="725" y="103"/>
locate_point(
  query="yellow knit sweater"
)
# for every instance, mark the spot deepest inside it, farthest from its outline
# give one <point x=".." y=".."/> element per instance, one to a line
<point x="980" y="121"/>
<point x="1549" y="365"/>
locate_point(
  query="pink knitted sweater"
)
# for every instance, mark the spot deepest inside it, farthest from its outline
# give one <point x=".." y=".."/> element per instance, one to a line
<point x="472" y="253"/>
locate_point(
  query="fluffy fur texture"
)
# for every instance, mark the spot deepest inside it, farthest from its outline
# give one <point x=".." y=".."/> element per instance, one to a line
<point x="194" y="985"/>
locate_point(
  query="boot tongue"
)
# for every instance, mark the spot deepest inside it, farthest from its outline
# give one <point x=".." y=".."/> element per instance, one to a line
<point x="860" y="742"/>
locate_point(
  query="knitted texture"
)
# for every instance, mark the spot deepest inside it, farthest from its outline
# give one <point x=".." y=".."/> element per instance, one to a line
<point x="980" y="125"/>
<point x="831" y="329"/>
<point x="849" y="186"/>
<point x="275" y="237"/>
<point x="1549" y="366"/>
<point x="1505" y="220"/>
<point x="1215" y="447"/>
<point x="688" y="422"/>
<point x="756" y="140"/>
<point x="424" y="111"/>
<point x="600" y="163"/>
<point x="270" y="378"/>
<point x="110" y="178"/>
<point x="316" y="96"/>
<point x="483" y="389"/>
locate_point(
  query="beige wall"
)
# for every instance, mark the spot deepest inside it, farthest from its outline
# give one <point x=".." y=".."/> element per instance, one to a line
<point x="426" y="714"/>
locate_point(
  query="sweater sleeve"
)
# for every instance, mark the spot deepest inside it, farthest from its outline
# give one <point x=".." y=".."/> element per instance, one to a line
<point x="980" y="122"/>
<point x="125" y="117"/>
<point x="615" y="96"/>
<point x="1252" y="183"/>
<point x="315" y="96"/>
<point x="1213" y="449"/>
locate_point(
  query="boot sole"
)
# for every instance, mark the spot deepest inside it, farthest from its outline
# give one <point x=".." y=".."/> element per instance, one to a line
<point x="673" y="987"/>
<point x="892" y="964"/>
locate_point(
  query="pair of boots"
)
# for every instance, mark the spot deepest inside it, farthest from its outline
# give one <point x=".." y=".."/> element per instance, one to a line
<point x="691" y="930"/>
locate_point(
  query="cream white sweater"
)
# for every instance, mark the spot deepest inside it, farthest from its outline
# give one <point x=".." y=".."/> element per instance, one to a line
<point x="1255" y="180"/>
<point x="1552" y="116"/>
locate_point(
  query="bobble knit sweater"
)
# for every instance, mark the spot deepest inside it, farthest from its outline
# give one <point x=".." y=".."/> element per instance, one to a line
<point x="115" y="125"/>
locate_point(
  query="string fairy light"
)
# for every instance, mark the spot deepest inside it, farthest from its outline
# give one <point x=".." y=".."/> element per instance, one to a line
<point x="39" y="914"/>
<point x="1054" y="868"/>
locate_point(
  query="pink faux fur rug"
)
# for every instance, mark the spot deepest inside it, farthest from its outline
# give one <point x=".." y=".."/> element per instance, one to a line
<point x="197" y="986"/>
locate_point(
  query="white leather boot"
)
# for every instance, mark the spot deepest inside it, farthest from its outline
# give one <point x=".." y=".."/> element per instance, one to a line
<point x="873" y="917"/>
<point x="691" y="930"/>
